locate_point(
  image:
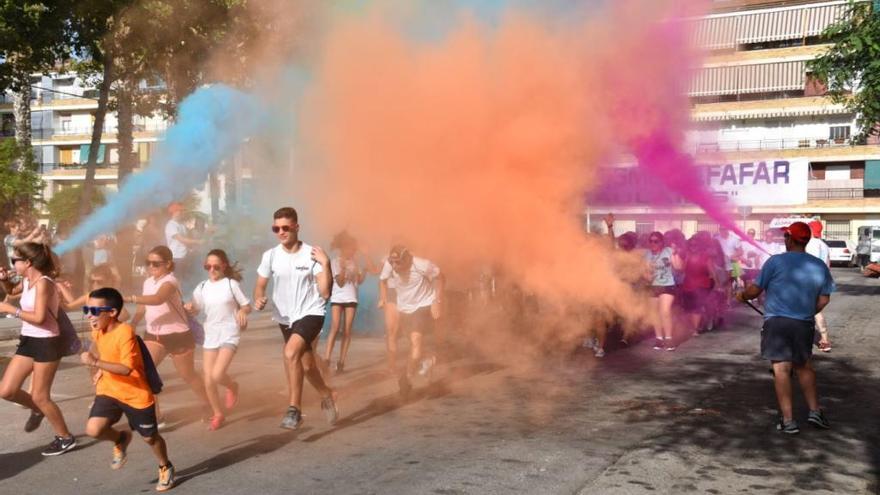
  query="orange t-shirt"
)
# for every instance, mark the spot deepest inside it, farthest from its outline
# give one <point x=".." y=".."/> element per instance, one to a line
<point x="119" y="345"/>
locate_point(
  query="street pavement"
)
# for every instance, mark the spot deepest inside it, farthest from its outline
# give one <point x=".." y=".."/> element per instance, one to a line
<point x="697" y="420"/>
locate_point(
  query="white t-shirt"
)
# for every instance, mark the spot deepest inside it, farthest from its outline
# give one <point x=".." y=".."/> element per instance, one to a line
<point x="729" y="246"/>
<point x="416" y="290"/>
<point x="178" y="249"/>
<point x="348" y="293"/>
<point x="386" y="267"/>
<point x="220" y="301"/>
<point x="294" y="283"/>
<point x="819" y="249"/>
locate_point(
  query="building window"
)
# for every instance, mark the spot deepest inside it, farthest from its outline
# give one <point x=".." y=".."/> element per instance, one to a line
<point x="644" y="227"/>
<point x="837" y="172"/>
<point x="839" y="133"/>
<point x="711" y="227"/>
<point x="837" y="230"/>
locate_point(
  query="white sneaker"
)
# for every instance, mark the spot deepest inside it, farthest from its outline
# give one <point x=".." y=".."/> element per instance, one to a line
<point x="600" y="353"/>
<point x="591" y="343"/>
<point x="427" y="364"/>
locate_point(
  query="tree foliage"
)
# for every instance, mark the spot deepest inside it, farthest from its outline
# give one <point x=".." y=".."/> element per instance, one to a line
<point x="851" y="67"/>
<point x="19" y="181"/>
<point x="64" y="205"/>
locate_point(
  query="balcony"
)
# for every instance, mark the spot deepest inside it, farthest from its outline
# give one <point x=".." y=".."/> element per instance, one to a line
<point x="73" y="132"/>
<point x="836" y="193"/>
<point x="769" y="144"/>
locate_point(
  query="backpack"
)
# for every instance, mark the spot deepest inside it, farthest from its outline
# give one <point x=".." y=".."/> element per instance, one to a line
<point x="150" y="370"/>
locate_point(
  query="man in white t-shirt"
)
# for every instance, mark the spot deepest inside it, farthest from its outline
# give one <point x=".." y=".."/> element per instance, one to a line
<point x="301" y="283"/>
<point x="819" y="249"/>
<point x="178" y="241"/>
<point x="419" y="286"/>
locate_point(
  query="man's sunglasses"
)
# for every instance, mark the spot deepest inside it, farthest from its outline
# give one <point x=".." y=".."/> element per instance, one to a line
<point x="15" y="260"/>
<point x="154" y="264"/>
<point x="208" y="267"/>
<point x="95" y="310"/>
<point x="280" y="228"/>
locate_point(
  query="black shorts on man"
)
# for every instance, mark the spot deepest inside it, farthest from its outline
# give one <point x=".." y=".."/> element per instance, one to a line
<point x="307" y="327"/>
<point x="420" y="321"/>
<point x="174" y="343"/>
<point x="142" y="421"/>
<point x="787" y="340"/>
<point x="40" y="349"/>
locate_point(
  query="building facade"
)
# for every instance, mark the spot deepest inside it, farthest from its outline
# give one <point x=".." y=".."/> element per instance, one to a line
<point x="754" y="101"/>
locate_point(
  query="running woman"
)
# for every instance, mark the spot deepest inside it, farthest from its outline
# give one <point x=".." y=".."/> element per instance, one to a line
<point x="347" y="277"/>
<point x="121" y="385"/>
<point x="168" y="332"/>
<point x="101" y="276"/>
<point x="226" y="309"/>
<point x="301" y="279"/>
<point x="419" y="286"/>
<point x="40" y="347"/>
<point x="662" y="260"/>
<point x="388" y="304"/>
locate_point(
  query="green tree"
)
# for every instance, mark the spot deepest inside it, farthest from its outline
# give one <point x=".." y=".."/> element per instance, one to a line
<point x="19" y="180"/>
<point x="850" y="69"/>
<point x="64" y="205"/>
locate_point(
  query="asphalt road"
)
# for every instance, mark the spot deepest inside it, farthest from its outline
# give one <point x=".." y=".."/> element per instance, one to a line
<point x="698" y="420"/>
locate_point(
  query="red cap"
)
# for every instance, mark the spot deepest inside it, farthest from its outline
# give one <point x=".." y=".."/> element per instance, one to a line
<point x="174" y="208"/>
<point x="799" y="232"/>
<point x="816" y="228"/>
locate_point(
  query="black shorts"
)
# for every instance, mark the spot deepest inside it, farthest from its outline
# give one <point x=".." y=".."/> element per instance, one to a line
<point x="174" y="343"/>
<point x="657" y="290"/>
<point x="307" y="327"/>
<point x="345" y="305"/>
<point x="40" y="349"/>
<point x="142" y="421"/>
<point x="787" y="339"/>
<point x="695" y="300"/>
<point x="421" y="321"/>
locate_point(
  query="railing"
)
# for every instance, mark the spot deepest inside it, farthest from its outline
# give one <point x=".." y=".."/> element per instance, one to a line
<point x="48" y="132"/>
<point x="837" y="193"/>
<point x="46" y="168"/>
<point x="769" y="144"/>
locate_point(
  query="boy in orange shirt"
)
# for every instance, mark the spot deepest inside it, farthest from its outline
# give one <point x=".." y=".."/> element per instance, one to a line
<point x="122" y="386"/>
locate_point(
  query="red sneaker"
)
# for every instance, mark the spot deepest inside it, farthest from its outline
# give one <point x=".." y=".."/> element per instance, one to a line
<point x="231" y="396"/>
<point x="216" y="422"/>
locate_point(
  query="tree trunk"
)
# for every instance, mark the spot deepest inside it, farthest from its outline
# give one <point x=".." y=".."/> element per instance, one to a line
<point x="21" y="110"/>
<point x="125" y="133"/>
<point x="97" y="131"/>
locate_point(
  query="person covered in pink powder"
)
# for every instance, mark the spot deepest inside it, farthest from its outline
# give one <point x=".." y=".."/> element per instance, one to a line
<point x="662" y="261"/>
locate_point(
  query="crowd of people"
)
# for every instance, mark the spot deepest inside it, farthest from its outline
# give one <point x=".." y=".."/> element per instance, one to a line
<point x="690" y="280"/>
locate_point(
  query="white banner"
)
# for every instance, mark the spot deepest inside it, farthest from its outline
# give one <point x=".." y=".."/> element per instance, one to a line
<point x="765" y="183"/>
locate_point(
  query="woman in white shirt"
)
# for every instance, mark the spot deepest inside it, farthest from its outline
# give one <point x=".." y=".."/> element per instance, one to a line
<point x="40" y="347"/>
<point x="347" y="276"/>
<point x="226" y="309"/>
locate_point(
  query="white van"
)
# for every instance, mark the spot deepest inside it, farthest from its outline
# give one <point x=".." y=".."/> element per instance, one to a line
<point x="868" y="248"/>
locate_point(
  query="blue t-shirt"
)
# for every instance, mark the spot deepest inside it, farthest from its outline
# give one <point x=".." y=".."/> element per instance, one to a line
<point x="792" y="282"/>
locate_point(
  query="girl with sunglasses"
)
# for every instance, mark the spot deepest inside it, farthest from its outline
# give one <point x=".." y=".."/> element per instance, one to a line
<point x="40" y="349"/>
<point x="226" y="309"/>
<point x="662" y="261"/>
<point x="167" y="333"/>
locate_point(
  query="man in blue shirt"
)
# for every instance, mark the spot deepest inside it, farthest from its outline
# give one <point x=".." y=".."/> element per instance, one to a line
<point x="797" y="285"/>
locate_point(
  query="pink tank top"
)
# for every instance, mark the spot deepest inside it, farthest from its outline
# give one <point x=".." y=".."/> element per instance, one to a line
<point x="165" y="318"/>
<point x="28" y="302"/>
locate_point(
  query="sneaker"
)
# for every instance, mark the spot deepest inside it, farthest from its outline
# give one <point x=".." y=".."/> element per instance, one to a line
<point x="60" y="445"/>
<point x="33" y="422"/>
<point x="824" y="346"/>
<point x="817" y="419"/>
<point x="120" y="450"/>
<point x="328" y="405"/>
<point x="166" y="478"/>
<point x="659" y="344"/>
<point x="292" y="420"/>
<point x="591" y="343"/>
<point x="670" y="346"/>
<point x="216" y="422"/>
<point x="231" y="396"/>
<point x="427" y="364"/>
<point x="600" y="353"/>
<point x="788" y="427"/>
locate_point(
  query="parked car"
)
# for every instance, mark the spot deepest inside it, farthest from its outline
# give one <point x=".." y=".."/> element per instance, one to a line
<point x="842" y="252"/>
<point x="868" y="248"/>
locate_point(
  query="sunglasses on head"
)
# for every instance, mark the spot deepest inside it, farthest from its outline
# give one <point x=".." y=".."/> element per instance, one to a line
<point x="281" y="228"/>
<point x="154" y="264"/>
<point x="212" y="267"/>
<point x="95" y="310"/>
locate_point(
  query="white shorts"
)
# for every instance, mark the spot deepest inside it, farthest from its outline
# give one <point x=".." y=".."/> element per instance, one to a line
<point x="224" y="336"/>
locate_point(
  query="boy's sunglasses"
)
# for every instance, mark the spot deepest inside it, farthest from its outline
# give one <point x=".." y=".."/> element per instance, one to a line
<point x="154" y="264"/>
<point x="279" y="228"/>
<point x="95" y="310"/>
